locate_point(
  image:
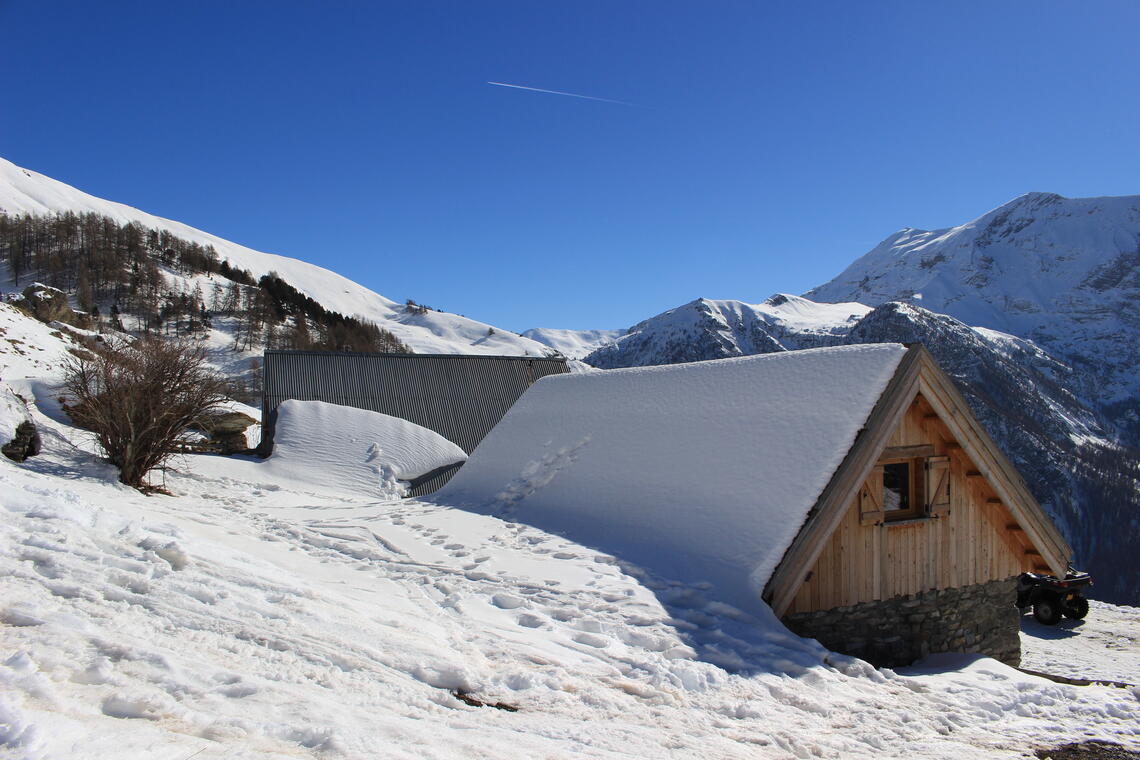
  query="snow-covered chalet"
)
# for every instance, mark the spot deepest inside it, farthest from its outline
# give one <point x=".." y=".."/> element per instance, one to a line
<point x="849" y="488"/>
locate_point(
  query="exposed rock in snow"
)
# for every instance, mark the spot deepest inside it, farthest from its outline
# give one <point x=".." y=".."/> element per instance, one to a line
<point x="48" y="304"/>
<point x="19" y="438"/>
<point x="707" y="329"/>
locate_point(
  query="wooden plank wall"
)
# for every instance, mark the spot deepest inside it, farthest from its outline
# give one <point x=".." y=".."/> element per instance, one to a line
<point x="976" y="542"/>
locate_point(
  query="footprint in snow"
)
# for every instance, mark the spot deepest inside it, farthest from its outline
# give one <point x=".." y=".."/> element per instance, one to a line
<point x="527" y="620"/>
<point x="477" y="575"/>
<point x="592" y="640"/>
<point x="507" y="601"/>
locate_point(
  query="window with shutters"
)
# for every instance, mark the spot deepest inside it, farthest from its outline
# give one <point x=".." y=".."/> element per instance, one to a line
<point x="906" y="489"/>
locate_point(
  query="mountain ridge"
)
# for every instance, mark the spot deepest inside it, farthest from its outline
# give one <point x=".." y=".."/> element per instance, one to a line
<point x="1062" y="272"/>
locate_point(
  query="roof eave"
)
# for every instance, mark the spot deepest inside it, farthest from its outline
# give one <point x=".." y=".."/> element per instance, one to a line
<point x="829" y="508"/>
<point x="918" y="371"/>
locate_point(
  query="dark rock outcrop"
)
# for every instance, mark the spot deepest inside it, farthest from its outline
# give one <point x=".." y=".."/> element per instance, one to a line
<point x="48" y="304"/>
<point x="226" y="430"/>
<point x="26" y="442"/>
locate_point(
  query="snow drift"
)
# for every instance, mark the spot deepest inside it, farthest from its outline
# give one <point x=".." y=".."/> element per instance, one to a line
<point x="337" y="448"/>
<point x="701" y="472"/>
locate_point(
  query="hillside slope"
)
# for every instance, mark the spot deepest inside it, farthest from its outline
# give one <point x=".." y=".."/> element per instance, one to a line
<point x="424" y="331"/>
<point x="573" y="344"/>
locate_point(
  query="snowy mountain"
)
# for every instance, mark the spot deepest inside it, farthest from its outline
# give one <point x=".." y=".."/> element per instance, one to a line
<point x="573" y="344"/>
<point x="422" y="330"/>
<point x="1026" y="397"/>
<point x="1062" y="272"/>
<point x="708" y="329"/>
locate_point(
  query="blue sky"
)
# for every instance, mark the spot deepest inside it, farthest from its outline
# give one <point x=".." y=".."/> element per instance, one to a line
<point x="767" y="145"/>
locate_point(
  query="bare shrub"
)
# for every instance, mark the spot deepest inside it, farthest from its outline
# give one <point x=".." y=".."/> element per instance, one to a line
<point x="138" y="399"/>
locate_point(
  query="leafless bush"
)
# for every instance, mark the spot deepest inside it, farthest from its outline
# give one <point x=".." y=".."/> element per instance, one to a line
<point x="138" y="399"/>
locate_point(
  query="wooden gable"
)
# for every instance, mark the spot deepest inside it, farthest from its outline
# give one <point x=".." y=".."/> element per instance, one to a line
<point x="971" y="516"/>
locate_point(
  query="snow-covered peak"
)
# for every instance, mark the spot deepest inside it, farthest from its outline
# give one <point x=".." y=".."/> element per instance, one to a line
<point x="26" y="191"/>
<point x="714" y="329"/>
<point x="1063" y="272"/>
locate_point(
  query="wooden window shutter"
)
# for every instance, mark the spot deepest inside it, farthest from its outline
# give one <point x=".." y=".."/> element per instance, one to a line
<point x="871" y="498"/>
<point x="938" y="486"/>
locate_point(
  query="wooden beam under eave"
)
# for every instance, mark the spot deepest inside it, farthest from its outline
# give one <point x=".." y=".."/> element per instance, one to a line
<point x="997" y="515"/>
<point x="999" y="473"/>
<point x="993" y="500"/>
<point x="832" y="504"/>
<point x="907" y="452"/>
<point x="973" y="474"/>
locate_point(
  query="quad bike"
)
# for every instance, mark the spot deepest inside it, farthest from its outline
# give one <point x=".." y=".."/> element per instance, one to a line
<point x="1052" y="597"/>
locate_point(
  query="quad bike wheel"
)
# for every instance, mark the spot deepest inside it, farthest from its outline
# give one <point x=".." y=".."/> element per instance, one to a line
<point x="1076" y="609"/>
<point x="1047" y="611"/>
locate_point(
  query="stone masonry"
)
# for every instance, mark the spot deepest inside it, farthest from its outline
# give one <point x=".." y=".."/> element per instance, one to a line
<point x="896" y="632"/>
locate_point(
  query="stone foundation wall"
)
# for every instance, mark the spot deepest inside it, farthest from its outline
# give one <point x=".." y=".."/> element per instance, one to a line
<point x="896" y="632"/>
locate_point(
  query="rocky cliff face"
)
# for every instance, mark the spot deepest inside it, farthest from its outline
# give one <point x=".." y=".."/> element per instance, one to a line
<point x="1023" y="394"/>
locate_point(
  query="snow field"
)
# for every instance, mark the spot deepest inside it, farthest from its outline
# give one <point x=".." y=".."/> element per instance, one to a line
<point x="250" y="617"/>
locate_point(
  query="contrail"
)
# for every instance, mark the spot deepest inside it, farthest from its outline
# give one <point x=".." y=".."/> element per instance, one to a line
<point x="559" y="92"/>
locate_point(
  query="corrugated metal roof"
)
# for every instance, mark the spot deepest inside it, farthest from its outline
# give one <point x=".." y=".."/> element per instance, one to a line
<point x="460" y="397"/>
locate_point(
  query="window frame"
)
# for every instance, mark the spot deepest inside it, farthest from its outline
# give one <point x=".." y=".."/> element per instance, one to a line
<point x="916" y="491"/>
<point x="928" y="484"/>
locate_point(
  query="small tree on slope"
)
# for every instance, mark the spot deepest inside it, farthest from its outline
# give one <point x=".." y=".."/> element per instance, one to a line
<point x="139" y="399"/>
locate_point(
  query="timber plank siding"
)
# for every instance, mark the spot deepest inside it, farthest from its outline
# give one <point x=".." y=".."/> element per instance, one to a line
<point x="461" y="397"/>
<point x="971" y="545"/>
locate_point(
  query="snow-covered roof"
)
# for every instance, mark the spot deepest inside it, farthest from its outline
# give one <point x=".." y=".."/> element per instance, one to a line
<point x="701" y="472"/>
<point x="327" y="447"/>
